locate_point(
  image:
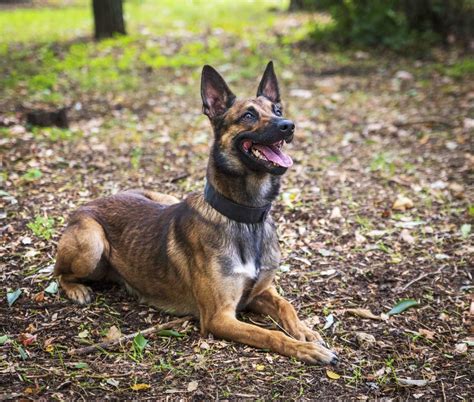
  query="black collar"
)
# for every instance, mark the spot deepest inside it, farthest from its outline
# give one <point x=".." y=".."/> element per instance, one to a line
<point x="236" y="212"/>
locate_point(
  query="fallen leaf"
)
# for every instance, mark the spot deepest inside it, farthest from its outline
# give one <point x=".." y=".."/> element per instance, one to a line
<point x="407" y="237"/>
<point x="377" y="233"/>
<point x="113" y="382"/>
<point x="259" y="367"/>
<point x="466" y="230"/>
<point x="39" y="297"/>
<point x="409" y="382"/>
<point x="171" y="333"/>
<point x="27" y="339"/>
<point x="83" y="334"/>
<point x="332" y="375"/>
<point x="364" y="313"/>
<point x="457" y="190"/>
<point x="13" y="296"/>
<point x="81" y="365"/>
<point x="402" y="203"/>
<point x="193" y="386"/>
<point x="363" y="337"/>
<point x="113" y="333"/>
<point x="52" y="288"/>
<point x="204" y="345"/>
<point x="140" y="387"/>
<point x="402" y="305"/>
<point x="324" y="252"/>
<point x="359" y="238"/>
<point x="329" y="321"/>
<point x="460" y="348"/>
<point x="4" y="339"/>
<point x="336" y="214"/>
<point x="327" y="272"/>
<point x="426" y="333"/>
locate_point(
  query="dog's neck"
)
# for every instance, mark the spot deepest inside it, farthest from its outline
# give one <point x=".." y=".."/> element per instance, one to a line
<point x="251" y="189"/>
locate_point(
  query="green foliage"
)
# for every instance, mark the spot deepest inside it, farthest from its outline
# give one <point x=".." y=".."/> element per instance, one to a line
<point x="138" y="346"/>
<point x="32" y="174"/>
<point x="42" y="226"/>
<point x="396" y="24"/>
<point x="58" y="67"/>
<point x="461" y="68"/>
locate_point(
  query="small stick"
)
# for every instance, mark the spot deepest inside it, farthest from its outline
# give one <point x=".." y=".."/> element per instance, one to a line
<point x="419" y="278"/>
<point x="113" y="342"/>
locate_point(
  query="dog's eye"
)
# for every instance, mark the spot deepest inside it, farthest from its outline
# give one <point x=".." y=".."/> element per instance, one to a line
<point x="277" y="112"/>
<point x="249" y="116"/>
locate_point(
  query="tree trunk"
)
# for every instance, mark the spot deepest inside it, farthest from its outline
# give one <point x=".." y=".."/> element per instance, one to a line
<point x="108" y="18"/>
<point x="296" y="5"/>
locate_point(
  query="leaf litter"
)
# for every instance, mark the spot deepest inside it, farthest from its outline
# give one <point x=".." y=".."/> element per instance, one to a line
<point x="336" y="214"/>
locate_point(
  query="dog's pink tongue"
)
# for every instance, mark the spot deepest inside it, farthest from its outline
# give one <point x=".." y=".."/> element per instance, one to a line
<point x="274" y="154"/>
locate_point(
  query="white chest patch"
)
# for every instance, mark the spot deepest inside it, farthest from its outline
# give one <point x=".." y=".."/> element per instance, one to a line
<point x="248" y="269"/>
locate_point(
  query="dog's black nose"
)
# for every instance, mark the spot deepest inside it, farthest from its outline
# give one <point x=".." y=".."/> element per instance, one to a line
<point x="286" y="126"/>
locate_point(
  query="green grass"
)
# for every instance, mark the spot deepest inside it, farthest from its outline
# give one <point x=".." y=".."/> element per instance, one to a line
<point x="42" y="227"/>
<point x="48" y="53"/>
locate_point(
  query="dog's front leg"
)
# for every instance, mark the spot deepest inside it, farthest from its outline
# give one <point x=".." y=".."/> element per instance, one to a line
<point x="224" y="324"/>
<point x="269" y="302"/>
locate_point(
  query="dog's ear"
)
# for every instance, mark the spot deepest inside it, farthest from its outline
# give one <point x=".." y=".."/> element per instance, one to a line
<point x="269" y="85"/>
<point x="216" y="95"/>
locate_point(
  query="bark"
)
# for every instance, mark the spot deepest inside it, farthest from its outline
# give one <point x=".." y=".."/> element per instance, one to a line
<point x="108" y="18"/>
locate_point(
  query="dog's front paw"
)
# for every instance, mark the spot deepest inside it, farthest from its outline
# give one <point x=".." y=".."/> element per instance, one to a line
<point x="314" y="353"/>
<point x="79" y="293"/>
<point x="301" y="332"/>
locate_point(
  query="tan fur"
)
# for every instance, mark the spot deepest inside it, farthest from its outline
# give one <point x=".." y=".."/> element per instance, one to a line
<point x="182" y="256"/>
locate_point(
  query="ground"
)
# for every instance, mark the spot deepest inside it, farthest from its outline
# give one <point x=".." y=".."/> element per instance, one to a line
<point x="377" y="208"/>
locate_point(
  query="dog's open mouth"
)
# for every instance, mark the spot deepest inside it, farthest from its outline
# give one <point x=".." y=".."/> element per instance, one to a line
<point x="270" y="153"/>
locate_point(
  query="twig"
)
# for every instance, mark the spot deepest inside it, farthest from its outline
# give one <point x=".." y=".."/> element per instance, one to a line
<point x="419" y="279"/>
<point x="113" y="342"/>
<point x="427" y="121"/>
<point x="444" y="393"/>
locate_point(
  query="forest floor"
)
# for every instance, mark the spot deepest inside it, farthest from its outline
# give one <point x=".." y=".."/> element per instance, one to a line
<point x="377" y="208"/>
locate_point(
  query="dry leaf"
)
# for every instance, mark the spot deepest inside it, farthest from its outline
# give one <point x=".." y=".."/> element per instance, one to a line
<point x="359" y="238"/>
<point x="460" y="348"/>
<point x="427" y="334"/>
<point x="112" y="334"/>
<point x="193" y="386"/>
<point x="336" y="214"/>
<point x="402" y="203"/>
<point x="363" y="337"/>
<point x="332" y="375"/>
<point x="410" y="382"/>
<point x="362" y="312"/>
<point x="140" y="387"/>
<point x="407" y="237"/>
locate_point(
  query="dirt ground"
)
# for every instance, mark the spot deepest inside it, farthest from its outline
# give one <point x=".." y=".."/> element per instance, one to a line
<point x="376" y="209"/>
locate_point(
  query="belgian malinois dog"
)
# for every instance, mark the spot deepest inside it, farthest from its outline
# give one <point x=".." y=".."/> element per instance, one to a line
<point x="216" y="252"/>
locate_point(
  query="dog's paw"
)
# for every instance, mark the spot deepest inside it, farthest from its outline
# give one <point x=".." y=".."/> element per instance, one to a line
<point x="313" y="353"/>
<point x="79" y="293"/>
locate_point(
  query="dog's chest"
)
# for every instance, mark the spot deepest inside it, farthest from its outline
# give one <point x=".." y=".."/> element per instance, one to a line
<point x="248" y="269"/>
<point x="254" y="249"/>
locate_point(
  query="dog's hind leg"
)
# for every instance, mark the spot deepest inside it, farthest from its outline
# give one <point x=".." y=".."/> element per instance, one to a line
<point x="80" y="251"/>
<point x="160" y="198"/>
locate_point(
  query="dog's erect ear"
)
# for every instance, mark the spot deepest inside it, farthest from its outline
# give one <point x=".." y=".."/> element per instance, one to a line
<point x="269" y="85"/>
<point x="216" y="95"/>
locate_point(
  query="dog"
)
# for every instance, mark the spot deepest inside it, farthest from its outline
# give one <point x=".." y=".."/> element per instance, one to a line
<point x="216" y="252"/>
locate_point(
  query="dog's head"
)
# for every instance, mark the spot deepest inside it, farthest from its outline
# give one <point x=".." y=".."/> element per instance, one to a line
<point x="249" y="134"/>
